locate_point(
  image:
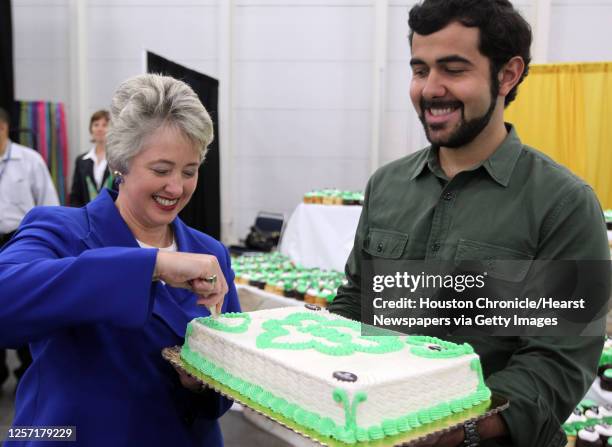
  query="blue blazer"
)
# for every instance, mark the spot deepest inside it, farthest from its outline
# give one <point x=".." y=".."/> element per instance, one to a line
<point x="76" y="286"/>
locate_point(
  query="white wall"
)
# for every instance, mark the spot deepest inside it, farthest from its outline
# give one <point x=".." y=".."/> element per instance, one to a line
<point x="302" y="101"/>
<point x="301" y="71"/>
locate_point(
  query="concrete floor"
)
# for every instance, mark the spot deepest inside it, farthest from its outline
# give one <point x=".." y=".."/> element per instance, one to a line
<point x="237" y="431"/>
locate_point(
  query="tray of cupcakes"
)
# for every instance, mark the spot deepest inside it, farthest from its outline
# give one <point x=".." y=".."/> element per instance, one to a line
<point x="333" y="197"/>
<point x="276" y="273"/>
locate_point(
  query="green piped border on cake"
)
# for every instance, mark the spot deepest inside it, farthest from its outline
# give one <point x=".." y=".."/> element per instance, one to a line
<point x="214" y="323"/>
<point x="326" y="427"/>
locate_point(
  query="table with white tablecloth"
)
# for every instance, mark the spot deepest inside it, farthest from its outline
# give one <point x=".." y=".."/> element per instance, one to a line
<point x="321" y="235"/>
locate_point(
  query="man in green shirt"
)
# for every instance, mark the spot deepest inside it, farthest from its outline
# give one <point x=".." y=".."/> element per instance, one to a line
<point x="478" y="193"/>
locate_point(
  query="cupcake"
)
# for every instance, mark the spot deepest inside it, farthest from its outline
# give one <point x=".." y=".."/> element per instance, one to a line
<point x="606" y="380"/>
<point x="309" y="197"/>
<point x="321" y="299"/>
<point x="592" y="412"/>
<point x="605" y="411"/>
<point x="570" y="434"/>
<point x="311" y="295"/>
<point x="588" y="437"/>
<point x="577" y="419"/>
<point x="257" y="280"/>
<point x="605" y="432"/>
<point x="300" y="290"/>
<point x="289" y="289"/>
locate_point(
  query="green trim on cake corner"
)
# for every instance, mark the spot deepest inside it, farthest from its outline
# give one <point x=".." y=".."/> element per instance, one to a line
<point x="217" y="324"/>
<point x="350" y="432"/>
<point x="350" y="410"/>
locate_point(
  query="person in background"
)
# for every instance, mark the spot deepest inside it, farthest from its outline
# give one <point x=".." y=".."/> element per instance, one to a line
<point x="91" y="172"/>
<point x="24" y="183"/>
<point x="479" y="194"/>
<point x="99" y="291"/>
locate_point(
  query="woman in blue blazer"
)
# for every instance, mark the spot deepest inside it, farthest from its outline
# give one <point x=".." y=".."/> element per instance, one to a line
<point x="99" y="291"/>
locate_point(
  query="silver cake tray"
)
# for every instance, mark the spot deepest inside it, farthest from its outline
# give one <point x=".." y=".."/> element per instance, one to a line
<point x="409" y="439"/>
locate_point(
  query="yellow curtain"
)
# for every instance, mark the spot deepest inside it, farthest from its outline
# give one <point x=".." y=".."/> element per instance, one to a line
<point x="565" y="111"/>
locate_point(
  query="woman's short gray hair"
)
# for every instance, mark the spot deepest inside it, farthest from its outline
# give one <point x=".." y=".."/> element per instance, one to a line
<point x="143" y="104"/>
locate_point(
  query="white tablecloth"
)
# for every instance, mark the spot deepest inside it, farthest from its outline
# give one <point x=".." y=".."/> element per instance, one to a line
<point x="252" y="298"/>
<point x="321" y="235"/>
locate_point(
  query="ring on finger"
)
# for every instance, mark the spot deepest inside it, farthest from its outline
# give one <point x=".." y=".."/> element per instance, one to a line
<point x="212" y="280"/>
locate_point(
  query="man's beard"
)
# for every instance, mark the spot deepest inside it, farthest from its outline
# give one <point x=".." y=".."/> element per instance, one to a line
<point x="467" y="130"/>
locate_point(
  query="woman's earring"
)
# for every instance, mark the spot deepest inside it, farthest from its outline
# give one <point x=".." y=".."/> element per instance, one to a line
<point x="118" y="177"/>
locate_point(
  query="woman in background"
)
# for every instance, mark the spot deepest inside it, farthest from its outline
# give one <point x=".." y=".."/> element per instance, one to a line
<point x="91" y="172"/>
<point x="99" y="291"/>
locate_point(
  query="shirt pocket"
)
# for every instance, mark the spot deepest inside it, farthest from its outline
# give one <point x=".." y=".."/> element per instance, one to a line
<point x="499" y="262"/>
<point x="386" y="244"/>
<point x="20" y="194"/>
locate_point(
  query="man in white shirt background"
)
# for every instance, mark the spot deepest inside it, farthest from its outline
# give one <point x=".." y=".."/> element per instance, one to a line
<point x="24" y="183"/>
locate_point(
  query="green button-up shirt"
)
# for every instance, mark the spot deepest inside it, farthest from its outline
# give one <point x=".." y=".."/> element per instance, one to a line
<point x="517" y="204"/>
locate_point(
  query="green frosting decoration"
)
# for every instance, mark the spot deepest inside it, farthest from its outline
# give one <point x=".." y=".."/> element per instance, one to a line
<point x="327" y="427"/>
<point x="389" y="427"/>
<point x="403" y="425"/>
<point x="482" y="391"/>
<point x="413" y="420"/>
<point x="350" y="411"/>
<point x="324" y="335"/>
<point x="440" y="412"/>
<point x="219" y="325"/>
<point x="375" y="433"/>
<point x="586" y="403"/>
<point x="362" y="435"/>
<point x="424" y="416"/>
<point x="606" y="357"/>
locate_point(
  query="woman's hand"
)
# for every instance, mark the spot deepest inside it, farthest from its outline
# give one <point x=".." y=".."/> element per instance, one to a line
<point x="189" y="382"/>
<point x="190" y="271"/>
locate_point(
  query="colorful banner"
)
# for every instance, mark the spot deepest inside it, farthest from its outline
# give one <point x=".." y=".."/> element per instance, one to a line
<point x="42" y="126"/>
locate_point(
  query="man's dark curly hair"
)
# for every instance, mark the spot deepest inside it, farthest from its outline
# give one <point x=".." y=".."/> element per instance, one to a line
<point x="504" y="33"/>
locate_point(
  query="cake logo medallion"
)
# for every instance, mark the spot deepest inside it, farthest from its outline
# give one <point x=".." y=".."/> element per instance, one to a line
<point x="312" y="307"/>
<point x="345" y="376"/>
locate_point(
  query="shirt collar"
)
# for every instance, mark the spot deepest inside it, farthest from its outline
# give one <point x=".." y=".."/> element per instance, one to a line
<point x="422" y="160"/>
<point x="15" y="155"/>
<point x="91" y="155"/>
<point x="499" y="165"/>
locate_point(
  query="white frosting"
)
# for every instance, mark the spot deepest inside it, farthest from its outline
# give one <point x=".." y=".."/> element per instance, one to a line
<point x="587" y="435"/>
<point x="396" y="383"/>
<point x="590" y="414"/>
<point x="575" y="418"/>
<point x="604" y="430"/>
<point x="605" y="412"/>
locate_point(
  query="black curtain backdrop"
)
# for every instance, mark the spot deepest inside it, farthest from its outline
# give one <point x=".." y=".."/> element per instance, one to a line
<point x="204" y="210"/>
<point x="7" y="93"/>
